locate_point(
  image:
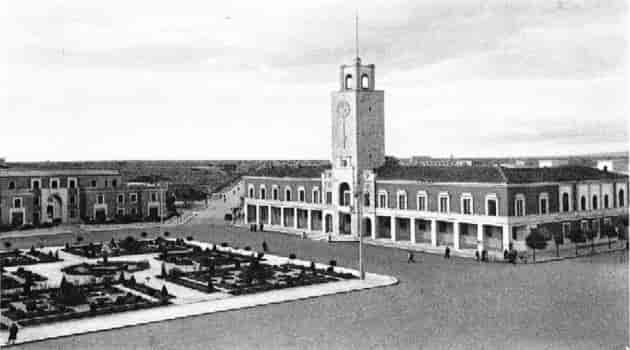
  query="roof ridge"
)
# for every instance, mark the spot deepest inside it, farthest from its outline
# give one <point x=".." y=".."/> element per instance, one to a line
<point x="502" y="173"/>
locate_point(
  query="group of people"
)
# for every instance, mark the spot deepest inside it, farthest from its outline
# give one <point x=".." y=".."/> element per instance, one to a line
<point x="411" y="256"/>
<point x="255" y="228"/>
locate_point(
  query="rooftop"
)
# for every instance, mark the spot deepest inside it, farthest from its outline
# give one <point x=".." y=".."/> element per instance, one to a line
<point x="558" y="174"/>
<point x="16" y="172"/>
<point x="291" y="171"/>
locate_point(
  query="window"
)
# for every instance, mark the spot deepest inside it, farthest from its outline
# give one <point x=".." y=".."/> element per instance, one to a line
<point x="114" y="183"/>
<point x="54" y="184"/>
<point x="35" y="184"/>
<point x="583" y="203"/>
<point x="36" y="201"/>
<point x="606" y="203"/>
<point x="347" y="198"/>
<point x="251" y="191"/>
<point x="366" y="199"/>
<point x="154" y="196"/>
<point x="301" y="194"/>
<point x="466" y="200"/>
<point x="133" y="211"/>
<point x="584" y="225"/>
<point x="106" y="183"/>
<point x="382" y="199"/>
<point x="11" y="185"/>
<point x="348" y="82"/>
<point x="72" y="183"/>
<point x="274" y="193"/>
<point x="120" y="211"/>
<point x="287" y="194"/>
<point x="607" y="222"/>
<point x="566" y="228"/>
<point x="621" y="198"/>
<point x="315" y="195"/>
<point x="263" y="192"/>
<point x="519" y="205"/>
<point x="565" y="202"/>
<point x="365" y="81"/>
<point x="121" y="199"/>
<point x="17" y="203"/>
<point x="93" y="183"/>
<point x="329" y="198"/>
<point x="133" y="198"/>
<point x="422" y="201"/>
<point x="402" y="200"/>
<point x="444" y="206"/>
<point x="100" y="199"/>
<point x="594" y="207"/>
<point x="73" y="200"/>
<point x="543" y="204"/>
<point x="491" y="205"/>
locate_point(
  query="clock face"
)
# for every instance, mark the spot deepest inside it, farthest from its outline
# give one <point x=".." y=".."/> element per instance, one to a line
<point x="343" y="109"/>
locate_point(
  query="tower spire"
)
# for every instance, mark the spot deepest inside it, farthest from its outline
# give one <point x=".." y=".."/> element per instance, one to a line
<point x="356" y="33"/>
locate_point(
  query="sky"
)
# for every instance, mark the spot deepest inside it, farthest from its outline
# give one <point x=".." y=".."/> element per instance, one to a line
<point x="155" y="79"/>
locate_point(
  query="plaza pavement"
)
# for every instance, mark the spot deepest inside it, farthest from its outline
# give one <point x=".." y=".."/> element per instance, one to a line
<point x="188" y="302"/>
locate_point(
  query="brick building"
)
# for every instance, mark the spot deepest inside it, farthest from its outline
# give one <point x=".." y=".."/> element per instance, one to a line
<point x="33" y="197"/>
<point x="470" y="207"/>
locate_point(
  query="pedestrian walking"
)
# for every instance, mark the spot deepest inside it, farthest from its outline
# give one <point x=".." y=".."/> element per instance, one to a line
<point x="410" y="257"/>
<point x="447" y="253"/>
<point x="264" y="246"/>
<point x="303" y="235"/>
<point x="13" y="331"/>
<point x="477" y="255"/>
<point x="262" y="227"/>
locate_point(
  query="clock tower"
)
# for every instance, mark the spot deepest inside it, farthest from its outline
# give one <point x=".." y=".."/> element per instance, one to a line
<point x="358" y="122"/>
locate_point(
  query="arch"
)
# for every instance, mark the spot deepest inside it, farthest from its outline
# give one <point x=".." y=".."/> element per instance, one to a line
<point x="565" y="201"/>
<point x="606" y="202"/>
<point x="583" y="203"/>
<point x="519" y="205"/>
<point x="344" y="194"/>
<point x="401" y="199"/>
<point x="263" y="192"/>
<point x="492" y="204"/>
<point x="315" y="195"/>
<point x="301" y="197"/>
<point x="422" y="201"/>
<point x="287" y="194"/>
<point x="365" y="81"/>
<point x="12" y="185"/>
<point x="382" y="199"/>
<point x="621" y="198"/>
<point x="543" y="203"/>
<point x="367" y="227"/>
<point x="348" y="81"/>
<point x="328" y="223"/>
<point x="54" y="208"/>
<point x="594" y="207"/>
<point x="275" y="193"/>
<point x="250" y="191"/>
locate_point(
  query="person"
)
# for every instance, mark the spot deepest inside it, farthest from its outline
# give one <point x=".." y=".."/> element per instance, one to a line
<point x="447" y="253"/>
<point x="13" y="331"/>
<point x="506" y="255"/>
<point x="484" y="255"/>
<point x="410" y="257"/>
<point x="477" y="255"/>
<point x="264" y="246"/>
<point x="262" y="226"/>
<point x="303" y="235"/>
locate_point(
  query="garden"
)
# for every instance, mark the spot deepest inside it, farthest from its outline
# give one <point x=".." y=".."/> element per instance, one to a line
<point x="29" y="257"/>
<point x="127" y="246"/>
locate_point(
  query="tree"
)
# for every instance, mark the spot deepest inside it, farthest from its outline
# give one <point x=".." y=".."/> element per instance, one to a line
<point x="610" y="232"/>
<point x="535" y="240"/>
<point x="576" y="236"/>
<point x="590" y="234"/>
<point x="558" y="240"/>
<point x="7" y="244"/>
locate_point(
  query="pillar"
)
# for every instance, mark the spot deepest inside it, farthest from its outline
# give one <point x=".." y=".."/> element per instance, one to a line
<point x="269" y="215"/>
<point x="308" y="219"/>
<point x="323" y="222"/>
<point x="506" y="237"/>
<point x="257" y="215"/>
<point x="373" y="227"/>
<point x="282" y="216"/>
<point x="412" y="229"/>
<point x="456" y="235"/>
<point x="245" y="217"/>
<point x="392" y="227"/>
<point x="480" y="245"/>
<point x="434" y="233"/>
<point x="295" y="218"/>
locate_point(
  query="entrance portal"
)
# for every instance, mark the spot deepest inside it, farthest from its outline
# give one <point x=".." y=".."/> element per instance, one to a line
<point x="345" y="224"/>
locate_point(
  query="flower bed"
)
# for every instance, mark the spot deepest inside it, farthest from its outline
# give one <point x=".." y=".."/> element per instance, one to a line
<point x="127" y="246"/>
<point x="111" y="268"/>
<point x="26" y="257"/>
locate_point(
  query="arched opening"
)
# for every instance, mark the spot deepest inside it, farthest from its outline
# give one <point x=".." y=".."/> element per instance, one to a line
<point x="54" y="209"/>
<point x="565" y="202"/>
<point x="594" y="203"/>
<point x="606" y="203"/>
<point x="367" y="227"/>
<point x="622" y="201"/>
<point x="287" y="194"/>
<point x="583" y="203"/>
<point x="344" y="194"/>
<point x="348" y="81"/>
<point x="11" y="185"/>
<point x="263" y="193"/>
<point x="365" y="82"/>
<point x="345" y="224"/>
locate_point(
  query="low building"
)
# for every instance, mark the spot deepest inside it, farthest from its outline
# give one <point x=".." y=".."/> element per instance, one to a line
<point x="33" y="197"/>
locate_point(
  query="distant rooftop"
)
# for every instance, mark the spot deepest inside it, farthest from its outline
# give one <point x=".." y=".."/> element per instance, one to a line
<point x="440" y="174"/>
<point x="15" y="172"/>
<point x="291" y="171"/>
<point x="558" y="174"/>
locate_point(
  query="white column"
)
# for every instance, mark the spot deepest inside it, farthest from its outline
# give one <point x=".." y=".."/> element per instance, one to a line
<point x="295" y="218"/>
<point x="245" y="207"/>
<point x="308" y="218"/>
<point x="506" y="237"/>
<point x="257" y="216"/>
<point x="323" y="222"/>
<point x="456" y="235"/>
<point x="374" y="223"/>
<point x="412" y="229"/>
<point x="392" y="226"/>
<point x="269" y="215"/>
<point x="480" y="244"/>
<point x="282" y="216"/>
<point x="434" y="233"/>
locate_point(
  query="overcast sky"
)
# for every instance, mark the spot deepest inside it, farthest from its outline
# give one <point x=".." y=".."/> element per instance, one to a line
<point x="154" y="79"/>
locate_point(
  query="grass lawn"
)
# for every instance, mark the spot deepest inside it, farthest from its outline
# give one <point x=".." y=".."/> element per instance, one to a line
<point x="438" y="304"/>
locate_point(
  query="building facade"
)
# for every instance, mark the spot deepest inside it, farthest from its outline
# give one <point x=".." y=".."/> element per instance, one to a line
<point x="34" y="197"/>
<point x="471" y="207"/>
